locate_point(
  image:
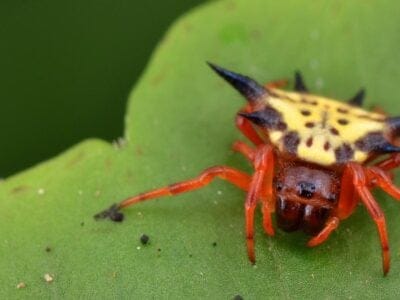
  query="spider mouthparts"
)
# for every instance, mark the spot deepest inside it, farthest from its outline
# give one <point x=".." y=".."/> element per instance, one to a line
<point x="112" y="212"/>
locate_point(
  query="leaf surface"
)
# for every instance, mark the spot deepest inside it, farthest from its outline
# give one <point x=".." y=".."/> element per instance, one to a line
<point x="178" y="122"/>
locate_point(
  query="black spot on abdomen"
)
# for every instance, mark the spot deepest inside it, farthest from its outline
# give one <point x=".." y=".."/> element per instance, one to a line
<point x="291" y="142"/>
<point x="344" y="153"/>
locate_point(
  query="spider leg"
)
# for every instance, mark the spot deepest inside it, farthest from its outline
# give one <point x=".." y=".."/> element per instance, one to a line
<point x="238" y="178"/>
<point x="244" y="149"/>
<point x="266" y="198"/>
<point x="388" y="164"/>
<point x="383" y="180"/>
<point x="245" y="126"/>
<point x="264" y="161"/>
<point x="361" y="186"/>
<point x="348" y="200"/>
<point x="348" y="197"/>
<point x="331" y="224"/>
<point x="280" y="83"/>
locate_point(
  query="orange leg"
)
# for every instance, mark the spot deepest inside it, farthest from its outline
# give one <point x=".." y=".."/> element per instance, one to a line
<point x="383" y="180"/>
<point x="236" y="177"/>
<point x="244" y="149"/>
<point x="331" y="224"/>
<point x="388" y="164"/>
<point x="268" y="204"/>
<point x="267" y="195"/>
<point x="360" y="182"/>
<point x="264" y="160"/>
<point x="348" y="198"/>
<point x="247" y="128"/>
<point x="346" y="205"/>
<point x="280" y="83"/>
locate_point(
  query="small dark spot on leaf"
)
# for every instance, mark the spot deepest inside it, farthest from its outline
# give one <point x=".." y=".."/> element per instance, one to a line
<point x="48" y="249"/>
<point x="117" y="217"/>
<point x="305" y="112"/>
<point x="112" y="212"/>
<point x="144" y="239"/>
<point x="237" y="297"/>
<point x="82" y="223"/>
<point x="19" y="189"/>
<point x="214" y="244"/>
<point x="342" y="110"/>
<point x="159" y="249"/>
<point x="309" y="124"/>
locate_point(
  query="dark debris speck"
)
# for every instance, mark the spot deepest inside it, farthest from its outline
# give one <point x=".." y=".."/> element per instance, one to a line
<point x="144" y="239"/>
<point x="112" y="212"/>
<point x="117" y="216"/>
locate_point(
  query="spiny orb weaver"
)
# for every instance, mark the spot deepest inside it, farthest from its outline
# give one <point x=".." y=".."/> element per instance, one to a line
<point x="314" y="158"/>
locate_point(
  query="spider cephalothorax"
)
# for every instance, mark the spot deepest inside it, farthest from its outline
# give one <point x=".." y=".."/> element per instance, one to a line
<point x="314" y="159"/>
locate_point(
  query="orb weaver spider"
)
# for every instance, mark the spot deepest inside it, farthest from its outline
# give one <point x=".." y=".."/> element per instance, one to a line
<point x="314" y="160"/>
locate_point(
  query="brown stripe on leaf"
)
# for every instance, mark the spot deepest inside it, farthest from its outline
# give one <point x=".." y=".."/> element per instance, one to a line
<point x="344" y="153"/>
<point x="291" y="141"/>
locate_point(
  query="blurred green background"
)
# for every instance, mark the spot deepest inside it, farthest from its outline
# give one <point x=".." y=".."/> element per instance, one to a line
<point x="66" y="68"/>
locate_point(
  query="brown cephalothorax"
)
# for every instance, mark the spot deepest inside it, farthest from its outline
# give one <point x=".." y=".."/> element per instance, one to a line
<point x="314" y="159"/>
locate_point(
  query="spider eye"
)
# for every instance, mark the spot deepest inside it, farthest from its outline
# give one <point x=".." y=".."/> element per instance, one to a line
<point x="306" y="189"/>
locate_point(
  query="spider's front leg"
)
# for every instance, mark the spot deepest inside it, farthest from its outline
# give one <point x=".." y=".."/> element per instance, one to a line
<point x="266" y="195"/>
<point x="260" y="187"/>
<point x="361" y="178"/>
<point x="346" y="205"/>
<point x="236" y="177"/>
<point x="246" y="127"/>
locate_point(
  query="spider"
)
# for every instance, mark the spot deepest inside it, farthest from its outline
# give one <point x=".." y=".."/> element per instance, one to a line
<point x="314" y="160"/>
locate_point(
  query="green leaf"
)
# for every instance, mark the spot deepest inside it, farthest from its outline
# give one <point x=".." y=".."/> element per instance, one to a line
<point x="179" y="121"/>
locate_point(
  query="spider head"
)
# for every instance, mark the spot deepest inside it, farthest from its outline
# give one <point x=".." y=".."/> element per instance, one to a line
<point x="305" y="197"/>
